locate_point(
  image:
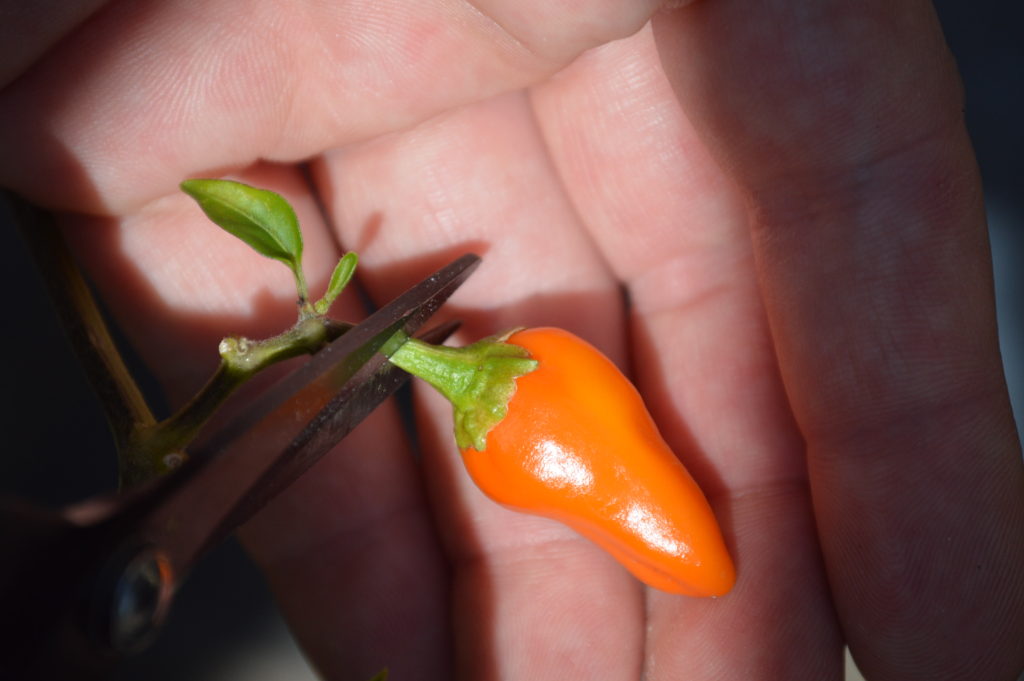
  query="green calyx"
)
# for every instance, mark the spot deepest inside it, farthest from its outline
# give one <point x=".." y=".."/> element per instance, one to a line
<point x="479" y="380"/>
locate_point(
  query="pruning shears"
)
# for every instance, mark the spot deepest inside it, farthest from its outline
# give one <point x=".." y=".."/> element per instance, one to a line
<point x="85" y="585"/>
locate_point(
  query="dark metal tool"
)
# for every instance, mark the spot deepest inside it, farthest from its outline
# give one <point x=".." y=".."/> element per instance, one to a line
<point x="81" y="587"/>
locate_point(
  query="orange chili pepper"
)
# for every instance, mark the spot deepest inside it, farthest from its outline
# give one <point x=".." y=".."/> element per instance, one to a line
<point x="577" y="444"/>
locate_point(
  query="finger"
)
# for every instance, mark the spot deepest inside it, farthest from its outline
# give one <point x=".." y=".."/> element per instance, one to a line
<point x="842" y="124"/>
<point x="348" y="550"/>
<point x="30" y="28"/>
<point x="675" y="230"/>
<point x="478" y="180"/>
<point x="146" y="93"/>
<point x="352" y="557"/>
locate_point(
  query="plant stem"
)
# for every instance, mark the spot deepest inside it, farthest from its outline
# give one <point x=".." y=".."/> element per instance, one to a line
<point x="159" y="448"/>
<point x="90" y="339"/>
<point x="306" y="310"/>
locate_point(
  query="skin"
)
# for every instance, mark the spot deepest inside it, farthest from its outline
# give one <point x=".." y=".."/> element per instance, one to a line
<point x="787" y="195"/>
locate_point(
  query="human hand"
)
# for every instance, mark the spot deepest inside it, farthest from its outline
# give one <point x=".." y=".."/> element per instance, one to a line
<point x="788" y="198"/>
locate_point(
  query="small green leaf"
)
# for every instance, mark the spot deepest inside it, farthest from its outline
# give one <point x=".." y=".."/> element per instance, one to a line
<point x="259" y="217"/>
<point x="382" y="675"/>
<point x="343" y="272"/>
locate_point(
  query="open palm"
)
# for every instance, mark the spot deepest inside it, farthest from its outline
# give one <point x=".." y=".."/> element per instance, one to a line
<point x="767" y="213"/>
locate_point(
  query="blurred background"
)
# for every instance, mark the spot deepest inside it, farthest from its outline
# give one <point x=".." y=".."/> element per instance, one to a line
<point x="224" y="624"/>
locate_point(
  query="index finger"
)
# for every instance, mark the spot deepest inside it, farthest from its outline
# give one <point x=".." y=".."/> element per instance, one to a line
<point x="144" y="94"/>
<point x="842" y="124"/>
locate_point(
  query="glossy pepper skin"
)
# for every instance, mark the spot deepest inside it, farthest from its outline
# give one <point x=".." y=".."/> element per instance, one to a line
<point x="578" y="445"/>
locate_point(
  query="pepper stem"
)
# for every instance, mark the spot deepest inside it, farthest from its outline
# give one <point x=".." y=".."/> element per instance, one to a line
<point x="478" y="380"/>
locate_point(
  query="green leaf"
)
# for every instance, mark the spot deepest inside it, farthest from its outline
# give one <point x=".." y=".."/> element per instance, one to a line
<point x="382" y="675"/>
<point x="343" y="272"/>
<point x="259" y="217"/>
